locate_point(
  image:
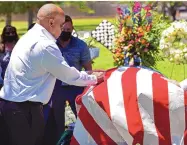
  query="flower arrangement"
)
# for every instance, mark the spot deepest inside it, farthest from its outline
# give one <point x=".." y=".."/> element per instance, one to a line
<point x="137" y="35"/>
<point x="173" y="42"/>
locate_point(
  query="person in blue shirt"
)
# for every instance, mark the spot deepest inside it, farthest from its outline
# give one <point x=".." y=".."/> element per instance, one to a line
<point x="9" y="38"/>
<point x="76" y="53"/>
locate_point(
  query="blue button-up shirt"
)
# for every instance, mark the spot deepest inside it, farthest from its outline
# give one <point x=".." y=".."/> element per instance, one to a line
<point x="35" y="63"/>
<point x="76" y="53"/>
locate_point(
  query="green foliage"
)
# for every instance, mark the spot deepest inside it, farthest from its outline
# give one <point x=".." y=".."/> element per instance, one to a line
<point x="18" y="7"/>
<point x="159" y="24"/>
<point x="173" y="3"/>
<point x="10" y="7"/>
<point x="82" y="6"/>
<point x="7" y="7"/>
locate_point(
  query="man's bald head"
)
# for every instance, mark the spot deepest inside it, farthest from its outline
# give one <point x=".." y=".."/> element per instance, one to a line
<point x="49" y="11"/>
<point x="51" y="17"/>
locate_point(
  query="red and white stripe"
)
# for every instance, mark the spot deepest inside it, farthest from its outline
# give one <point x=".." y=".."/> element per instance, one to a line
<point x="132" y="105"/>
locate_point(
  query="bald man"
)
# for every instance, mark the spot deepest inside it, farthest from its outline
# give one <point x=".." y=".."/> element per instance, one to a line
<point x="34" y="65"/>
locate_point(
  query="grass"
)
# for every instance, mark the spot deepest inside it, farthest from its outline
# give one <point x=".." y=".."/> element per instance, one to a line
<point x="88" y="24"/>
<point x="172" y="71"/>
<point x="79" y="24"/>
<point x="176" y="72"/>
<point x="105" y="60"/>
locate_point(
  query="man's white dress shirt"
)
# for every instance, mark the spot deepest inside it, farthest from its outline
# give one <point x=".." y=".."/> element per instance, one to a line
<point x="35" y="63"/>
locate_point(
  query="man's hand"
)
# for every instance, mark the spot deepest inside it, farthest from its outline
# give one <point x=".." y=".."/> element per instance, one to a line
<point x="99" y="74"/>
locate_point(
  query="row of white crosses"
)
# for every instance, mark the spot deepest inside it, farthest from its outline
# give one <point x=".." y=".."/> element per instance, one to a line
<point x="104" y="33"/>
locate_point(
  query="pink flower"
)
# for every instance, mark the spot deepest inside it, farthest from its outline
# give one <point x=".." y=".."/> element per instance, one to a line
<point x="119" y="11"/>
<point x="146" y="50"/>
<point x="120" y="27"/>
<point x="131" y="42"/>
<point x="148" y="14"/>
<point x="137" y="4"/>
<point x="137" y="7"/>
<point x="148" y="7"/>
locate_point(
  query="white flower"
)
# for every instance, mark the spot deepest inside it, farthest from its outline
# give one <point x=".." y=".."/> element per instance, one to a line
<point x="171" y="59"/>
<point x="125" y="48"/>
<point x="172" y="51"/>
<point x="175" y="51"/>
<point x="185" y="50"/>
<point x="178" y="51"/>
<point x="167" y="53"/>
<point x="177" y="56"/>
<point x="185" y="56"/>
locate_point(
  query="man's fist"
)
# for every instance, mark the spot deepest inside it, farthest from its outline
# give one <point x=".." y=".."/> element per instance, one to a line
<point x="99" y="74"/>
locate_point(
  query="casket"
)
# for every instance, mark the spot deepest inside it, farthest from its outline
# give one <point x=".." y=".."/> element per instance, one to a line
<point x="134" y="106"/>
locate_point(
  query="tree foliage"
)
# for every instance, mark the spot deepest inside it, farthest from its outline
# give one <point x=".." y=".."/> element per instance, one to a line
<point x="82" y="6"/>
<point x="10" y="7"/>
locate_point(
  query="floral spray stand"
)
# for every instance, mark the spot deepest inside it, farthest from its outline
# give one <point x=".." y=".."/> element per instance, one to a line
<point x="134" y="60"/>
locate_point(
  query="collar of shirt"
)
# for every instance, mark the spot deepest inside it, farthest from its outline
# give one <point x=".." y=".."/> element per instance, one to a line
<point x="38" y="27"/>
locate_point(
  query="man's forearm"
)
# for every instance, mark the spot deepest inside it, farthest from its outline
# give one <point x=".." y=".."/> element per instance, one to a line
<point x="88" y="66"/>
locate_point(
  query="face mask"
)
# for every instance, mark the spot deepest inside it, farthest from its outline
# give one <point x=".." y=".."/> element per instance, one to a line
<point x="65" y="36"/>
<point x="10" y="38"/>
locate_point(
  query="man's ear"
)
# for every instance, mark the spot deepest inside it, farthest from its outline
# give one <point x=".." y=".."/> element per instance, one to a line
<point x="51" y="22"/>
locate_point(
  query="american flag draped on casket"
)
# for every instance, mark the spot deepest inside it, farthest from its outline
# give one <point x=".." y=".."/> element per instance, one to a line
<point x="132" y="105"/>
